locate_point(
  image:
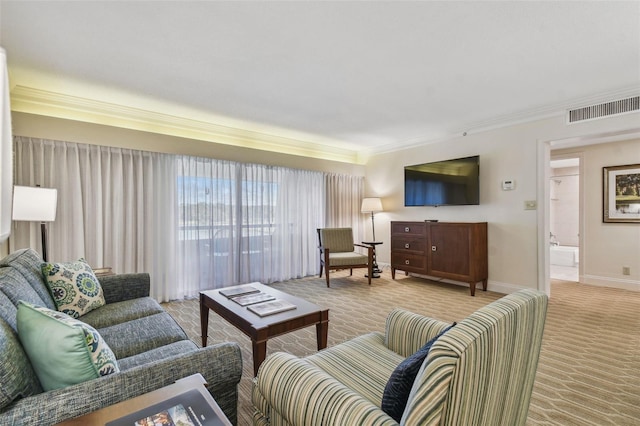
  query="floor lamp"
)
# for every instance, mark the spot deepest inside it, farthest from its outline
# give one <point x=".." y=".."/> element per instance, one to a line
<point x="371" y="205"/>
<point x="35" y="204"/>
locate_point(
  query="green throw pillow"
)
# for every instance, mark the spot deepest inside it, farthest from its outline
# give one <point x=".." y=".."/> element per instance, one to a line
<point x="74" y="287"/>
<point x="63" y="351"/>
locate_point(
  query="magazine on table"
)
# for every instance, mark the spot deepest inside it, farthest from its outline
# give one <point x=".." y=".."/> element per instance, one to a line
<point x="270" y="308"/>
<point x="187" y="409"/>
<point x="238" y="291"/>
<point x="252" y="298"/>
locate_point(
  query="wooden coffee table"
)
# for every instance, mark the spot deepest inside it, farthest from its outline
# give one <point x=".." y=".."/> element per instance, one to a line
<point x="261" y="329"/>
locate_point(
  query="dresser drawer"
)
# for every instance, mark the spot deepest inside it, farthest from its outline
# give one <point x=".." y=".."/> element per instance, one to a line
<point x="409" y="262"/>
<point x="408" y="228"/>
<point x="408" y="244"/>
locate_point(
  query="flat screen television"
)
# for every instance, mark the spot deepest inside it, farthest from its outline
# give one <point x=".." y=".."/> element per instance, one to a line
<point x="443" y="183"/>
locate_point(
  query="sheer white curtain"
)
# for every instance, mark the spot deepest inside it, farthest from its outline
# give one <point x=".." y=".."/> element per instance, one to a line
<point x="246" y="222"/>
<point x="299" y="212"/>
<point x="115" y="207"/>
<point x="192" y="223"/>
<point x="344" y="197"/>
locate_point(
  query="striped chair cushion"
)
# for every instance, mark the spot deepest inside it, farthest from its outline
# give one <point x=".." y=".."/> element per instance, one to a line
<point x="337" y="239"/>
<point x="346" y="259"/>
<point x="362" y="364"/>
<point x="406" y="332"/>
<point x="300" y="393"/>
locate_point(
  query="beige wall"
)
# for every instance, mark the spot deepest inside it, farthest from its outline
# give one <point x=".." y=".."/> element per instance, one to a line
<point x="516" y="235"/>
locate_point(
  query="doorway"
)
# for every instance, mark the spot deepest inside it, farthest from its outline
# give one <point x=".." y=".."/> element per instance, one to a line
<point x="569" y="147"/>
<point x="564" y="218"/>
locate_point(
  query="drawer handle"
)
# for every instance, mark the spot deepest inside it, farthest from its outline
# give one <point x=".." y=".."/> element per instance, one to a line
<point x="406" y="246"/>
<point x="406" y="229"/>
<point x="406" y="262"/>
<point x="434" y="248"/>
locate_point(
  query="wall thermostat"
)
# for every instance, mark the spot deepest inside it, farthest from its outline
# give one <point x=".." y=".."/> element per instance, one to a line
<point x="508" y="185"/>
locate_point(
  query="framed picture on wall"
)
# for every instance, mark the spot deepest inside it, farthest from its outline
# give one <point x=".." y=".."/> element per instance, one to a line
<point x="621" y="189"/>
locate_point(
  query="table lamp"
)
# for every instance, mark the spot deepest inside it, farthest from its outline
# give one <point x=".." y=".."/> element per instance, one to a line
<point x="35" y="204"/>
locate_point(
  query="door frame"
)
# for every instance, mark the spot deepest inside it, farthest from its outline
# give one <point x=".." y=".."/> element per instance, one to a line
<point x="543" y="191"/>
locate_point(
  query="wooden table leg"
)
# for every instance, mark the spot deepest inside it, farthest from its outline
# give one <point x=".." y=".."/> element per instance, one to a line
<point x="204" y="321"/>
<point x="322" y="330"/>
<point x="472" y="288"/>
<point x="259" y="354"/>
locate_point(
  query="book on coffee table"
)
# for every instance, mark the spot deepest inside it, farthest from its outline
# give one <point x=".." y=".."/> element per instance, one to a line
<point x="252" y="298"/>
<point x="272" y="307"/>
<point x="238" y="290"/>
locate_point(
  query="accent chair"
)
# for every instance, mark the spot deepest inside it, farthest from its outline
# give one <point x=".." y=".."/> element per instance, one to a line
<point x="337" y="251"/>
<point x="479" y="372"/>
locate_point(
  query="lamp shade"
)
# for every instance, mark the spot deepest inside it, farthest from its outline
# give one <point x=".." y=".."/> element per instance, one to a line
<point x="34" y="204"/>
<point x="371" y="205"/>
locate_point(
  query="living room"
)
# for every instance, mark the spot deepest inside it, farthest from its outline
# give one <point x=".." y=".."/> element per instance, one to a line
<point x="513" y="145"/>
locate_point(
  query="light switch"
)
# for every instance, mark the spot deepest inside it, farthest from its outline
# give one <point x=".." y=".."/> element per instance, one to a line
<point x="508" y="185"/>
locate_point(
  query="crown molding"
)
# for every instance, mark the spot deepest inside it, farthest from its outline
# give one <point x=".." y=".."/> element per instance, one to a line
<point x="47" y="103"/>
<point x="43" y="102"/>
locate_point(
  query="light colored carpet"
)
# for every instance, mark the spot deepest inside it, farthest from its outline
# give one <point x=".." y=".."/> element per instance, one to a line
<point x="589" y="370"/>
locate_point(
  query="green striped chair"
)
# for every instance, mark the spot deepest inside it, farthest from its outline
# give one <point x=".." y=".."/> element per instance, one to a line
<point x="337" y="251"/>
<point x="480" y="372"/>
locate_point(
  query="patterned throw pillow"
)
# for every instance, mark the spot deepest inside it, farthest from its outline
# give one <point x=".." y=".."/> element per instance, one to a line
<point x="396" y="392"/>
<point x="74" y="287"/>
<point x="63" y="351"/>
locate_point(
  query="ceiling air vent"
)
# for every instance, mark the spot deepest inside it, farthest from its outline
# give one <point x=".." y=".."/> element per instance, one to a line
<point x="604" y="110"/>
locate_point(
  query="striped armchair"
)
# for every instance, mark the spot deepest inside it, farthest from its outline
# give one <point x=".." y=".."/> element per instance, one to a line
<point x="480" y="372"/>
<point x="337" y="251"/>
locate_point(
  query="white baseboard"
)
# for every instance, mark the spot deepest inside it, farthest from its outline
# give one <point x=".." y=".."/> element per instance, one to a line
<point x="625" y="284"/>
<point x="504" y="288"/>
<point x="507" y="288"/>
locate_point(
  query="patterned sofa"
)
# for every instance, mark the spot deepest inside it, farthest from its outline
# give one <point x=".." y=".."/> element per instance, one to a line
<point x="151" y="349"/>
<point x="480" y="372"/>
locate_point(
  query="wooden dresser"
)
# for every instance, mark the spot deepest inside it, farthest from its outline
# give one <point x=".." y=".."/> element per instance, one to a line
<point x="452" y="250"/>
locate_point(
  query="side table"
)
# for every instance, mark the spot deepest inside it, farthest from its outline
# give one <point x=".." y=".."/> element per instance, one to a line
<point x="119" y="413"/>
<point x="376" y="270"/>
<point x="103" y="271"/>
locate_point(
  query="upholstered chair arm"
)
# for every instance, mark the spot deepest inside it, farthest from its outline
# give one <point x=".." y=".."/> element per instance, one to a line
<point x="324" y="254"/>
<point x="406" y="332"/>
<point x="121" y="287"/>
<point x="298" y="393"/>
<point x="368" y="248"/>
<point x="220" y="365"/>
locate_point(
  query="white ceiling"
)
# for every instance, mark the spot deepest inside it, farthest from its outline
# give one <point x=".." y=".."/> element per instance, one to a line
<point x="362" y="75"/>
